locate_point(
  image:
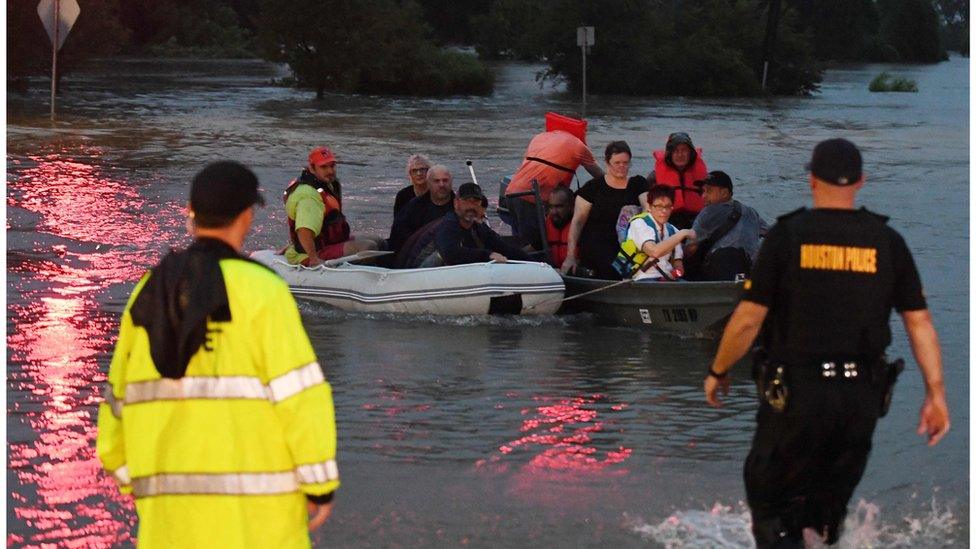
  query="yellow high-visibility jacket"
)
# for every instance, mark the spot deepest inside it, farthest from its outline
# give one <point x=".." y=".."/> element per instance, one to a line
<point x="224" y="456"/>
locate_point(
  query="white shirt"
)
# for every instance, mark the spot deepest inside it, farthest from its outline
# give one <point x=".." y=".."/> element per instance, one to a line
<point x="640" y="232"/>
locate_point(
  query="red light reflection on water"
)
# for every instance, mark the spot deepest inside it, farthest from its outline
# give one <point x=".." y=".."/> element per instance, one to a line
<point x="560" y="433"/>
<point x="91" y="231"/>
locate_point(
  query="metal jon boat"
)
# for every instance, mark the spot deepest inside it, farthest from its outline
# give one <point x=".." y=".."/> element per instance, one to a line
<point x="688" y="308"/>
<point x="515" y="287"/>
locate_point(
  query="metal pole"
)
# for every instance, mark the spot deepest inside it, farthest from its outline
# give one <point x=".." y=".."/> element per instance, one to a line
<point x="584" y="74"/>
<point x="54" y="53"/>
<point x="540" y="216"/>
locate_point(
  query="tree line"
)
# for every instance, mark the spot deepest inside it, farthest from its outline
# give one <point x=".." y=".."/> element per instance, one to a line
<point x="643" y="47"/>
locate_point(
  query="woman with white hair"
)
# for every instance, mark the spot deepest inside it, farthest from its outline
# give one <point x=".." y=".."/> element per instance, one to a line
<point x="417" y="166"/>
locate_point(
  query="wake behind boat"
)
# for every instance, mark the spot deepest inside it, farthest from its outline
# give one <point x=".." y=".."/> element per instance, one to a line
<point x="515" y="287"/>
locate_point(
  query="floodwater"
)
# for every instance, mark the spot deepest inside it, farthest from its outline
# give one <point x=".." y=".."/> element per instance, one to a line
<point x="485" y="432"/>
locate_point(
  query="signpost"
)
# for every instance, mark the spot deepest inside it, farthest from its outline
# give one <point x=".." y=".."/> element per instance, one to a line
<point x="58" y="16"/>
<point x="585" y="37"/>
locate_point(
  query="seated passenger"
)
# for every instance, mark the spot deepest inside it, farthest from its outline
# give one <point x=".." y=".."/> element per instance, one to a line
<point x="653" y="249"/>
<point x="593" y="230"/>
<point x="560" y="207"/>
<point x="417" y="167"/>
<point x="425" y="208"/>
<point x="678" y="166"/>
<point x="313" y="204"/>
<point x="727" y="233"/>
<point x="461" y="236"/>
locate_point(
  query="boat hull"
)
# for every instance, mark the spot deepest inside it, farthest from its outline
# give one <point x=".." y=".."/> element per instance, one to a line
<point x="476" y="289"/>
<point x="697" y="308"/>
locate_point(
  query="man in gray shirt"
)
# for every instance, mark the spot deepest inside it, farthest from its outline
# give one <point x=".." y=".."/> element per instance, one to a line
<point x="727" y="233"/>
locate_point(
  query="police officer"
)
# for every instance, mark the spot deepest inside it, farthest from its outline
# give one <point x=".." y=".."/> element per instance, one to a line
<point x="822" y="291"/>
<point x="217" y="416"/>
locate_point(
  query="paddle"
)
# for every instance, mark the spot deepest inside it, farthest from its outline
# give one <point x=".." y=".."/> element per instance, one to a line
<point x="358" y="256"/>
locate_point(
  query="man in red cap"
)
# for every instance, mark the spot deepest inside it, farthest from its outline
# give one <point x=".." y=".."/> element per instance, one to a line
<point x="316" y="225"/>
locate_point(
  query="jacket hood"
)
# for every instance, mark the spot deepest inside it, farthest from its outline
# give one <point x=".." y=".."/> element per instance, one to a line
<point x="675" y="139"/>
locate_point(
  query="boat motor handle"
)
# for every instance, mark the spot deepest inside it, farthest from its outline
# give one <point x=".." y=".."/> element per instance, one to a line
<point x="471" y="169"/>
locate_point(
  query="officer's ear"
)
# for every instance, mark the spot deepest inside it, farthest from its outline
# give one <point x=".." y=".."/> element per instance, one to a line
<point x="860" y="183"/>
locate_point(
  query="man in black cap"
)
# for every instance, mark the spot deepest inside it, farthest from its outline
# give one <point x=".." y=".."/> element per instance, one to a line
<point x="461" y="236"/>
<point x="216" y="410"/>
<point x="822" y="291"/>
<point x="727" y="233"/>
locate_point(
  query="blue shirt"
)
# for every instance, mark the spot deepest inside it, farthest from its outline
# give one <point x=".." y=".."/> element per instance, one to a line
<point x="745" y="234"/>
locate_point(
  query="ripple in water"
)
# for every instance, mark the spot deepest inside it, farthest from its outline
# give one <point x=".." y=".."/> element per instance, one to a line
<point x="727" y="527"/>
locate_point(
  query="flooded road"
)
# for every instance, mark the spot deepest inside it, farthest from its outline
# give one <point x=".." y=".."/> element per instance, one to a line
<point x="482" y="432"/>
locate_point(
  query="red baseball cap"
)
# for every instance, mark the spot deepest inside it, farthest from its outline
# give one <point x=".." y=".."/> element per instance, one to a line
<point x="320" y="156"/>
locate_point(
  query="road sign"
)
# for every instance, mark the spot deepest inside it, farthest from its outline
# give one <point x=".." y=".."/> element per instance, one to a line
<point x="58" y="17"/>
<point x="585" y="36"/>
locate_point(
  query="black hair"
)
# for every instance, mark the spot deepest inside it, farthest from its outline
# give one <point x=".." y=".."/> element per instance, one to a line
<point x="660" y="191"/>
<point x="616" y="147"/>
<point x="570" y="195"/>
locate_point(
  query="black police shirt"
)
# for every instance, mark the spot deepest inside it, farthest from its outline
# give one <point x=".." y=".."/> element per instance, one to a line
<point x="830" y="279"/>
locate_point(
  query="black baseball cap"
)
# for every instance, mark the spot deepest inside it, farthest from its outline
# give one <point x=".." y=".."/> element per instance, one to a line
<point x="221" y="191"/>
<point x="836" y="161"/>
<point x="716" y="179"/>
<point x="470" y="190"/>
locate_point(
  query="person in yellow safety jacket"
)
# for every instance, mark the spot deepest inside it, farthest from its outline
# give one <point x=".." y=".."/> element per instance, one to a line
<point x="217" y="416"/>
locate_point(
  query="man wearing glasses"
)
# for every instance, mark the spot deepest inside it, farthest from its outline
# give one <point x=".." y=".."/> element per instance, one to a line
<point x="417" y="167"/>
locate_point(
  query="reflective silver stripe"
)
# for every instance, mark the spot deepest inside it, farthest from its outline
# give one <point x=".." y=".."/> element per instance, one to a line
<point x="221" y="483"/>
<point x="122" y="475"/>
<point x="196" y="388"/>
<point x="318" y="473"/>
<point x="296" y="381"/>
<point x="112" y="402"/>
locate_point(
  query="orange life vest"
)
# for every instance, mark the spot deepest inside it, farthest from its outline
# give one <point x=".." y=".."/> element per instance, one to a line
<point x="687" y="197"/>
<point x="558" y="242"/>
<point x="335" y="228"/>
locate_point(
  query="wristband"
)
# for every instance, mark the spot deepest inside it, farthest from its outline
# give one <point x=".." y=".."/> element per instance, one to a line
<point x="717" y="375"/>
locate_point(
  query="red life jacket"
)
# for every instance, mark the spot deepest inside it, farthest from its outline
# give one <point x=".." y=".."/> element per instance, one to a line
<point x="558" y="242"/>
<point x="687" y="197"/>
<point x="335" y="229"/>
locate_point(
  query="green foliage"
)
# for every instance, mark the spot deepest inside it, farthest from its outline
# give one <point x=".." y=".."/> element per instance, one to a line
<point x="911" y="27"/>
<point x="181" y="28"/>
<point x="510" y="30"/>
<point x="651" y="47"/>
<point x="955" y="24"/>
<point x="365" y="47"/>
<point x="884" y="83"/>
<point x="452" y="21"/>
<point x="845" y="30"/>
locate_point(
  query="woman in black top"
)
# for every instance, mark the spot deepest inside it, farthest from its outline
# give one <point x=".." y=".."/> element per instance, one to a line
<point x="593" y="232"/>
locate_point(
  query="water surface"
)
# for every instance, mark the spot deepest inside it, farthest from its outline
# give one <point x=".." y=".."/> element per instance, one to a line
<point x="473" y="431"/>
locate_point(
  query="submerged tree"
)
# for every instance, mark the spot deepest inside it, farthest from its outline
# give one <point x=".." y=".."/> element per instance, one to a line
<point x="703" y="48"/>
<point x="380" y="46"/>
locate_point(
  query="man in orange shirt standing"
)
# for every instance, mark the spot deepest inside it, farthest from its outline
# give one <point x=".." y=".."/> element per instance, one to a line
<point x="551" y="159"/>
